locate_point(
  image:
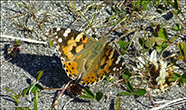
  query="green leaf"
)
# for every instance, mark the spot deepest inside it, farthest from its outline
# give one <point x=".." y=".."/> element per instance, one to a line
<point x="99" y="95"/>
<point x="150" y="42"/>
<point x="177" y="27"/>
<point x="39" y="74"/>
<point x="142" y="41"/>
<point x="39" y="86"/>
<point x="172" y="79"/>
<point x="159" y="49"/>
<point x="140" y="92"/>
<point x="175" y="75"/>
<point x="127" y="74"/>
<point x="15" y="98"/>
<point x="86" y="97"/>
<point x="89" y="93"/>
<point x="11" y="91"/>
<point x="163" y="33"/>
<point x="33" y="87"/>
<point x="183" y="78"/>
<point x="123" y="45"/>
<point x="129" y="86"/>
<point x="177" y="11"/>
<point x="124" y="93"/>
<point x="163" y="46"/>
<point x="25" y="92"/>
<point x="180" y="47"/>
<point x="184" y="49"/>
<point x="118" y="103"/>
<point x="36" y="100"/>
<point x="159" y="41"/>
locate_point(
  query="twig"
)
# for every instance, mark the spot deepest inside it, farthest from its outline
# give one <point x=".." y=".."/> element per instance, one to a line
<point x="133" y="37"/>
<point x="170" y="103"/>
<point x="23" y="39"/>
<point x="60" y="94"/>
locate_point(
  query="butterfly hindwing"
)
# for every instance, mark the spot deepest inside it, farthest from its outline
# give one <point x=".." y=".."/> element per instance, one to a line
<point x="107" y="63"/>
<point x="115" y="61"/>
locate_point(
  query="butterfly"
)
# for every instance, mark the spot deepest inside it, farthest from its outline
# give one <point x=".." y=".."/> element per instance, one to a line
<point x="84" y="58"/>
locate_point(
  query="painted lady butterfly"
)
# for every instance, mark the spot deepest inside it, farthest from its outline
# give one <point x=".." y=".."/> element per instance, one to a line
<point x="84" y="58"/>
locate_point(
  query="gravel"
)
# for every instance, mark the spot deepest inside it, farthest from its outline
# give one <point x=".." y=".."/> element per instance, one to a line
<point x="19" y="73"/>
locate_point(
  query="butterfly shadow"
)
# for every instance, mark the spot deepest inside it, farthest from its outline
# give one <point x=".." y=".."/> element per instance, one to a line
<point x="54" y="75"/>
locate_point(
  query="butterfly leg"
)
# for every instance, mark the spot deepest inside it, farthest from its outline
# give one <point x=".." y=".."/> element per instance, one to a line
<point x="82" y="70"/>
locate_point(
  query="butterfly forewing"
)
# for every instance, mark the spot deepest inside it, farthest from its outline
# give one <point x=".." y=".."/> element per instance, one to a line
<point x="70" y="43"/>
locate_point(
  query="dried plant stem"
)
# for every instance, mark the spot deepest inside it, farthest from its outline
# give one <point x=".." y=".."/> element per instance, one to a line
<point x="60" y="94"/>
<point x="22" y="39"/>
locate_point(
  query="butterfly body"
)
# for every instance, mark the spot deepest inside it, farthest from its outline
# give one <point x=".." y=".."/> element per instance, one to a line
<point x="84" y="58"/>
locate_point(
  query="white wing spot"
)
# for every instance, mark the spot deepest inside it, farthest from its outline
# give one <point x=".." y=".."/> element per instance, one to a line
<point x="120" y="68"/>
<point x="67" y="31"/>
<point x="58" y="29"/>
<point x="56" y="37"/>
<point x="60" y="40"/>
<point x="117" y="69"/>
<point x="118" y="60"/>
<point x="78" y="37"/>
<point x="123" y="63"/>
<point x="65" y="34"/>
<point x="114" y="69"/>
